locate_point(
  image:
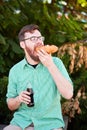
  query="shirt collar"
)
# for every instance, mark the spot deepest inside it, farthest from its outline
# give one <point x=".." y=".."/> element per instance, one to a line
<point x="25" y="63"/>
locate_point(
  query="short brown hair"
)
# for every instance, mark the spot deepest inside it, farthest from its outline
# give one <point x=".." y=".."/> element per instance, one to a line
<point x="27" y="28"/>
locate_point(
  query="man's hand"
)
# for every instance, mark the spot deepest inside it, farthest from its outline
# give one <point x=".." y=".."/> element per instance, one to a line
<point x="14" y="103"/>
<point x="24" y="97"/>
<point x="45" y="58"/>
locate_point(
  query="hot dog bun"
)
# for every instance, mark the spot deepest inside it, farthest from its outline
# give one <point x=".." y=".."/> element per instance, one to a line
<point x="48" y="48"/>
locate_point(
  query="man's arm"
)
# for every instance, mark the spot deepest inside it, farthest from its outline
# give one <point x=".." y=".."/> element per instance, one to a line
<point x="64" y="86"/>
<point x="14" y="103"/>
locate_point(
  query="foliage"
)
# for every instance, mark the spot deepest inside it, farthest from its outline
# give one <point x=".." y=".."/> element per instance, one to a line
<point x="57" y="29"/>
<point x="77" y="53"/>
<point x="15" y="14"/>
<point x="77" y="106"/>
<point x="5" y="114"/>
<point x="83" y="3"/>
<point x="72" y="107"/>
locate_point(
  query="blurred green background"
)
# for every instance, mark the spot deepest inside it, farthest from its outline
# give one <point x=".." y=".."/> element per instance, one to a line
<point x="64" y="24"/>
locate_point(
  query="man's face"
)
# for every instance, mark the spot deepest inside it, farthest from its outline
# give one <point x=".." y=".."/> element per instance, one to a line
<point x="32" y="40"/>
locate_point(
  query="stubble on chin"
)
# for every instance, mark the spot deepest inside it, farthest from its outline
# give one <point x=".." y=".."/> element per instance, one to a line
<point x="32" y="54"/>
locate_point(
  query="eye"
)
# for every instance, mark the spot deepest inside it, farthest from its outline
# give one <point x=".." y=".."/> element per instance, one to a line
<point x="33" y="38"/>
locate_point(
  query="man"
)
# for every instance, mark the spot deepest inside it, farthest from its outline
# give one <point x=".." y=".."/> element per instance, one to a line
<point x="48" y="78"/>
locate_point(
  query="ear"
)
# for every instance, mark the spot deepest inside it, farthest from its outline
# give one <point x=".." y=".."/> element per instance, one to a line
<point x="22" y="44"/>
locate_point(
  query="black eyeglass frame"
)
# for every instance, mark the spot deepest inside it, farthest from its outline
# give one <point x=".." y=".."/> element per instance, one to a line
<point x="33" y="38"/>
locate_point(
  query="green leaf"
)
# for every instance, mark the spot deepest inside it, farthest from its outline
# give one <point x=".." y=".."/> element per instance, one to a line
<point x="2" y="40"/>
<point x="16" y="48"/>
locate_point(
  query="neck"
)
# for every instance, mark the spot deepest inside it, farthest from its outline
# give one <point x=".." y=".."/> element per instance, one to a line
<point x="31" y="61"/>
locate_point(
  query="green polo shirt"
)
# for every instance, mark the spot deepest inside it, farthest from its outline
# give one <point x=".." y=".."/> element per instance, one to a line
<point x="46" y="113"/>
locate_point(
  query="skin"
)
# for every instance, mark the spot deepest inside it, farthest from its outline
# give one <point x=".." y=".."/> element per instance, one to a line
<point x="33" y="57"/>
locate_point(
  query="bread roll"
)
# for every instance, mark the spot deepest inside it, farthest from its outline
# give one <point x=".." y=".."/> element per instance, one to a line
<point x="48" y="48"/>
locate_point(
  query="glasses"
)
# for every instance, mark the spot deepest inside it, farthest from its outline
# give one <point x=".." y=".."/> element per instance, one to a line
<point x="34" y="38"/>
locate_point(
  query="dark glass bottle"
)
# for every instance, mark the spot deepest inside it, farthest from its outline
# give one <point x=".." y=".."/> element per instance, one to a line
<point x="31" y="104"/>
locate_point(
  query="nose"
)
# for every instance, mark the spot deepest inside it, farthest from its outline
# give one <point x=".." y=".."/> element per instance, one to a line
<point x="39" y="40"/>
<point x="40" y="43"/>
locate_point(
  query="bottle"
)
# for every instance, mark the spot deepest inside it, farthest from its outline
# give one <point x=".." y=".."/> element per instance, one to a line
<point x="31" y="104"/>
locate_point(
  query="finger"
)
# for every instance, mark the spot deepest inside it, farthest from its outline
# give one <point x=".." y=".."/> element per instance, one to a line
<point x="24" y="96"/>
<point x="42" y="52"/>
<point x="26" y="101"/>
